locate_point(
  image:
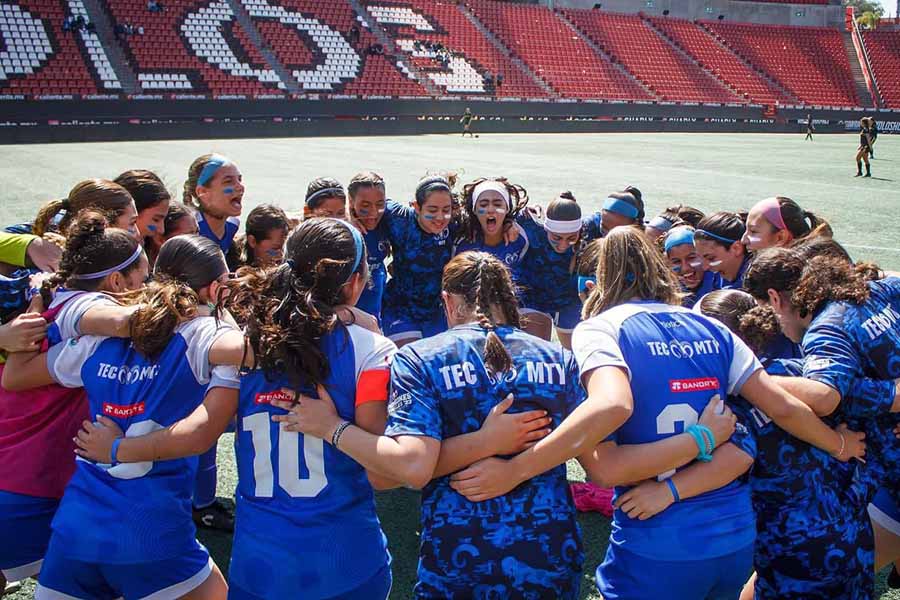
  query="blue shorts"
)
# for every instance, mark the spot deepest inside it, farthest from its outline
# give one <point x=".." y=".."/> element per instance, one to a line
<point x="64" y="578"/>
<point x="401" y="326"/>
<point x="884" y="510"/>
<point x="565" y="320"/>
<point x="628" y="576"/>
<point x="25" y="531"/>
<point x="376" y="588"/>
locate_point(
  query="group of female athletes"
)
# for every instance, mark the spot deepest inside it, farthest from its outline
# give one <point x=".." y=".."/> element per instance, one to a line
<point x="726" y="373"/>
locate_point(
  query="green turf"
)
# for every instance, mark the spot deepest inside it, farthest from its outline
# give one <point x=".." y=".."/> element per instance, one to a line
<point x="711" y="172"/>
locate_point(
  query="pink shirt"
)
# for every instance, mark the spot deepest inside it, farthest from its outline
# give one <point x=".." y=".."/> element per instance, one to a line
<point x="37" y="454"/>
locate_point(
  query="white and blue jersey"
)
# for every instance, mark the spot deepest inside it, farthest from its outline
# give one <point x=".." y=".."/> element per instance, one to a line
<point x="525" y="541"/>
<point x="232" y="225"/>
<point x="377" y="249"/>
<point x="676" y="361"/>
<point x="145" y="507"/>
<point x="412" y="299"/>
<point x="305" y="520"/>
<point x="510" y="255"/>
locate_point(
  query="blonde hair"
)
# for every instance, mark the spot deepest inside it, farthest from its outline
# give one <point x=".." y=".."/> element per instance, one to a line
<point x="103" y="195"/>
<point x="630" y="267"/>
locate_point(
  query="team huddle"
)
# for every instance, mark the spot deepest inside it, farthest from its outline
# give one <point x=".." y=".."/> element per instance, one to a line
<point x="731" y="375"/>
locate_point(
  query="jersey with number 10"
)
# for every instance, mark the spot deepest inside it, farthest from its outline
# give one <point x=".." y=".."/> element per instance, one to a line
<point x="676" y="361"/>
<point x="306" y="521"/>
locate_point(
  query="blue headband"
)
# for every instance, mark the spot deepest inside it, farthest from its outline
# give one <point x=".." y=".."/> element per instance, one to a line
<point x="621" y="207"/>
<point x="331" y="192"/>
<point x="119" y="267"/>
<point x="678" y="237"/>
<point x="215" y="162"/>
<point x="716" y="237"/>
<point x="582" y="283"/>
<point x="357" y="241"/>
<point x="661" y="223"/>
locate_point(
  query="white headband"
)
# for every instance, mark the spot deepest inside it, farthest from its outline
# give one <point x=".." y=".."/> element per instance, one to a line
<point x="562" y="227"/>
<point x="489" y="186"/>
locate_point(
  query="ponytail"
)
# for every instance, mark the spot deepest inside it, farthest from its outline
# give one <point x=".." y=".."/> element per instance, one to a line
<point x="46" y="215"/>
<point x="102" y="195"/>
<point x="486" y="286"/>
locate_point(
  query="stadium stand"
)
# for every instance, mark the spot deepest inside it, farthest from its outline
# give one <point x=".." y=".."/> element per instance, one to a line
<point x="883" y="48"/>
<point x="789" y="1"/>
<point x="312" y="38"/>
<point x="190" y="49"/>
<point x="39" y="58"/>
<point x="721" y="62"/>
<point x="471" y="57"/>
<point x="555" y="53"/>
<point x="810" y="62"/>
<point x="671" y="75"/>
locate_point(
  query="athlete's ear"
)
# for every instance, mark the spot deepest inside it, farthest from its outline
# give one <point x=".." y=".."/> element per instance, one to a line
<point x="115" y="282"/>
<point x="251" y="241"/>
<point x="775" y="300"/>
<point x="589" y="286"/>
<point x="783" y="237"/>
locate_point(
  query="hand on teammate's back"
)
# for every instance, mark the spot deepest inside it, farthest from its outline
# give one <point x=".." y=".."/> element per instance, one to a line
<point x="512" y="433"/>
<point x="486" y="479"/>
<point x="96" y="438"/>
<point x="314" y="416"/>
<point x="720" y="420"/>
<point x="645" y="500"/>
<point x="854" y="444"/>
<point x="24" y="333"/>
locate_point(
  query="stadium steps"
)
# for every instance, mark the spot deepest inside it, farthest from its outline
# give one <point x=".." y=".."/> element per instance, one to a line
<point x="679" y="50"/>
<point x="774" y="82"/>
<point x="391" y="48"/>
<point x="114" y="52"/>
<point x="604" y="56"/>
<point x="243" y="18"/>
<point x="505" y="51"/>
<point x="859" y="80"/>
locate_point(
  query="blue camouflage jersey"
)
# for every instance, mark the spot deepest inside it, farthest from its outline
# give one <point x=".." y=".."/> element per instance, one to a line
<point x="592" y="227"/>
<point x="377" y="249"/>
<point x="846" y="342"/>
<point x="305" y="518"/>
<point x="414" y="290"/>
<point x="142" y="511"/>
<point x="676" y="360"/>
<point x="525" y="544"/>
<point x="511" y="255"/>
<point x="814" y="539"/>
<point x="548" y="278"/>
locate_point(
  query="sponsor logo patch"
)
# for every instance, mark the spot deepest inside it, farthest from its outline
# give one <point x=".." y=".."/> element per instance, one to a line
<point x="700" y="384"/>
<point x="123" y="411"/>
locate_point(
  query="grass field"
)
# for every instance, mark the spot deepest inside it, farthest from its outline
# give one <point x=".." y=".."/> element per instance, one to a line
<point x="711" y="172"/>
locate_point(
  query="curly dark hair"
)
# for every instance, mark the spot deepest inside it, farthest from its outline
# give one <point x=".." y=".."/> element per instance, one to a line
<point x="289" y="309"/>
<point x="757" y="325"/>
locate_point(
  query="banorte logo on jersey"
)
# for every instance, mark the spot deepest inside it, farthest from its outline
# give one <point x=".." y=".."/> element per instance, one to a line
<point x="699" y="384"/>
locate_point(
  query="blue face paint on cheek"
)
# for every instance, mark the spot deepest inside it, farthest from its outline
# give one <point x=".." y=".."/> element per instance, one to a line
<point x="429" y="217"/>
<point x="363" y="212"/>
<point x="228" y="191"/>
<point x="151" y="228"/>
<point x="482" y="211"/>
<point x="273" y="253"/>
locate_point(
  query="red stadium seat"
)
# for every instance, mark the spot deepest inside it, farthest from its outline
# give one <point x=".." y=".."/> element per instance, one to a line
<point x="883" y="48"/>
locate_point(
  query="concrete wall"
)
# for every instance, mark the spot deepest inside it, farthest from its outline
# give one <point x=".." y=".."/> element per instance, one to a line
<point x="747" y="12"/>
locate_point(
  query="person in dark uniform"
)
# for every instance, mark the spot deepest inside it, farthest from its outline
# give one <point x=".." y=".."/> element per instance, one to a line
<point x="865" y="147"/>
<point x="466" y="121"/>
<point x="873" y="135"/>
<point x="809" y="127"/>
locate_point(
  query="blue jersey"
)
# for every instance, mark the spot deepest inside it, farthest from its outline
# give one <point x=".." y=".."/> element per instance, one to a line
<point x="676" y="361"/>
<point x="724" y="284"/>
<point x="511" y="254"/>
<point x="846" y="342"/>
<point x="305" y="510"/>
<point x="419" y="258"/>
<point x="440" y="388"/>
<point x="707" y="285"/>
<point x="232" y="224"/>
<point x="547" y="277"/>
<point x="814" y="539"/>
<point x="377" y="248"/>
<point x="592" y="227"/>
<point x="142" y="511"/>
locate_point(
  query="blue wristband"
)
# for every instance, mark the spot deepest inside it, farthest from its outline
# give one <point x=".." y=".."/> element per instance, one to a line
<point x="708" y="436"/>
<point x="673" y="489"/>
<point x="114" y="451"/>
<point x="703" y="452"/>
